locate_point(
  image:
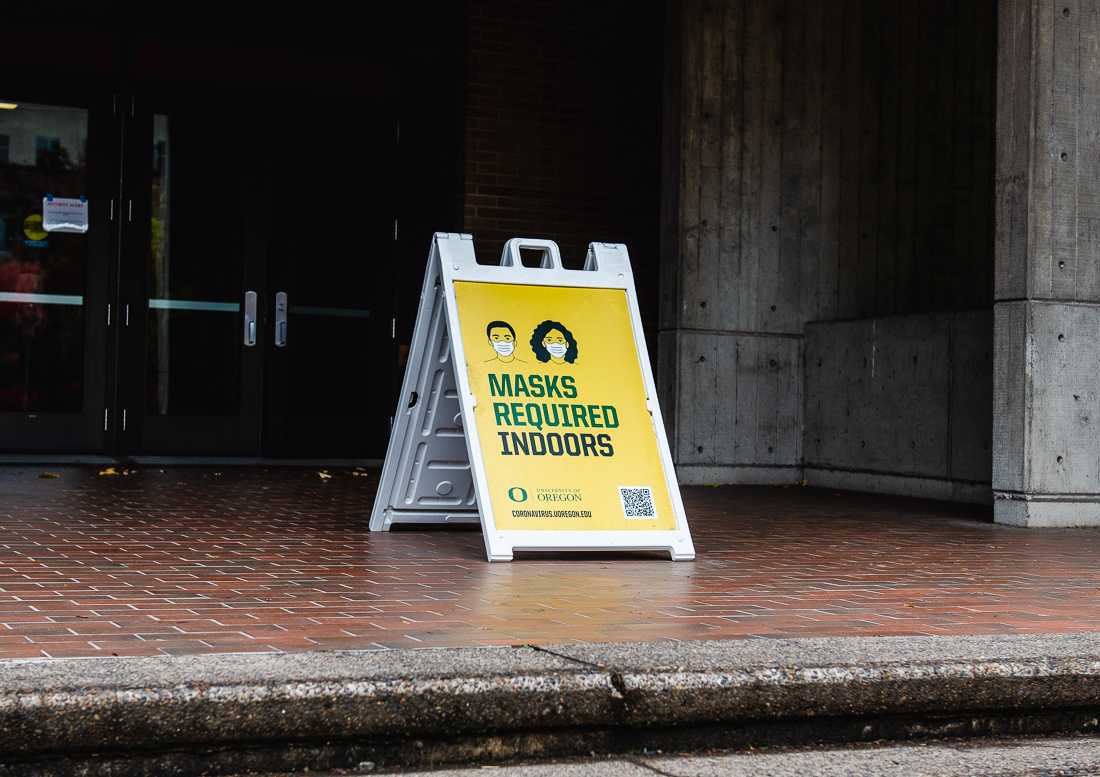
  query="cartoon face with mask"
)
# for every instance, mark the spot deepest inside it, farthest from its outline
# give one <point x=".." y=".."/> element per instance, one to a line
<point x="552" y="342"/>
<point x="502" y="339"/>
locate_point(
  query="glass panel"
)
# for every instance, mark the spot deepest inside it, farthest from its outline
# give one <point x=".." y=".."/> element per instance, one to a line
<point x="42" y="151"/>
<point x="194" y="273"/>
<point x="329" y="343"/>
<point x="337" y="336"/>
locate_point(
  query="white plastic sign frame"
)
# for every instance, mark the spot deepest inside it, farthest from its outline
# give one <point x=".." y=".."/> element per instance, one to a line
<point x="424" y="479"/>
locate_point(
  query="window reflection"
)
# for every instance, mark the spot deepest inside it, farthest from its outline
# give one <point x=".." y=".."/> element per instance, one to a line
<point x="193" y="272"/>
<point x="159" y="270"/>
<point x="42" y="151"/>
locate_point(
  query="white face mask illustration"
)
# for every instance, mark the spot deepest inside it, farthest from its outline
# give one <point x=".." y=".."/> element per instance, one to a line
<point x="557" y="350"/>
<point x="504" y="347"/>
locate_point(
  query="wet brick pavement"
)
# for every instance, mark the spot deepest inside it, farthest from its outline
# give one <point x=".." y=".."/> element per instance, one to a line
<point x="184" y="560"/>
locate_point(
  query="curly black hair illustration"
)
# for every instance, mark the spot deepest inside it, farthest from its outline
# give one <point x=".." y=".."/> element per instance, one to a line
<point x="540" y="333"/>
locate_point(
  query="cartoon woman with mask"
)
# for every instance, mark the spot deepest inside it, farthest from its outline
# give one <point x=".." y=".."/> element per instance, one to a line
<point x="502" y="339"/>
<point x="553" y="343"/>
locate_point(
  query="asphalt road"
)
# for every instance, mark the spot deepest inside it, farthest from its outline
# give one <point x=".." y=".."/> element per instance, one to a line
<point x="1066" y="757"/>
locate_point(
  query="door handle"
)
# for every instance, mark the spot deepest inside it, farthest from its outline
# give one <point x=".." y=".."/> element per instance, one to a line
<point x="250" y="319"/>
<point x="280" y="319"/>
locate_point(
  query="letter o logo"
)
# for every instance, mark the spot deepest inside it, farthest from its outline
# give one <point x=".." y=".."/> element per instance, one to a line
<point x="517" y="494"/>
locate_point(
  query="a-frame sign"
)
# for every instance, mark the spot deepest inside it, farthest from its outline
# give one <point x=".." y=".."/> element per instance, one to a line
<point x="528" y="403"/>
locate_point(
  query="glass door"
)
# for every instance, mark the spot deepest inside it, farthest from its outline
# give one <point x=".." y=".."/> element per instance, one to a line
<point x="233" y="292"/>
<point x="257" y="276"/>
<point x="193" y="275"/>
<point x="54" y="308"/>
<point x="331" y="359"/>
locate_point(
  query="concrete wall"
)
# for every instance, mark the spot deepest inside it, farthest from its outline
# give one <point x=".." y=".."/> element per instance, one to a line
<point x="739" y="409"/>
<point x="1047" y="311"/>
<point x="825" y="159"/>
<point x="901" y="405"/>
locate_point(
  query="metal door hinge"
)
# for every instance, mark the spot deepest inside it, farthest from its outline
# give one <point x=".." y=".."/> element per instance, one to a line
<point x="393" y="328"/>
<point x="130" y="210"/>
<point x="395" y="229"/>
<point x="112" y="209"/>
<point x="106" y="416"/>
<point x="127" y="323"/>
<point x="124" y="419"/>
<point x="108" y="314"/>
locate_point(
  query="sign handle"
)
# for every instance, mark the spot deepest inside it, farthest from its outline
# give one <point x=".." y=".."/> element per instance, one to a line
<point x="551" y="256"/>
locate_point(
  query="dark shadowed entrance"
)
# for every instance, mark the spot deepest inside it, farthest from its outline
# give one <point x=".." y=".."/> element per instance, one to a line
<point x="235" y="293"/>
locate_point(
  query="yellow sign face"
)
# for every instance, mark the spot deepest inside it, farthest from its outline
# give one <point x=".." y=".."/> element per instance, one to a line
<point x="565" y="434"/>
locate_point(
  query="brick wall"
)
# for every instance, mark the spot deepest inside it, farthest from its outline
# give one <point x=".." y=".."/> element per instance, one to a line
<point x="562" y="126"/>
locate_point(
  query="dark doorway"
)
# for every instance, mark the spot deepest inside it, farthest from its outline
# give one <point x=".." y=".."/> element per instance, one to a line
<point x="235" y="293"/>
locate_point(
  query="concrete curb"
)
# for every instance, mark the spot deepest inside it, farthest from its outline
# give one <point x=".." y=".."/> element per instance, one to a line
<point x="231" y="712"/>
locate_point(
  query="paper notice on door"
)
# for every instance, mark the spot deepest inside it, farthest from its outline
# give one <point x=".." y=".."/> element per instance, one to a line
<point x="65" y="214"/>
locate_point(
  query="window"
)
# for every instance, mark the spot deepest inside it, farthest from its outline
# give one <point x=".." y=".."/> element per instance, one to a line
<point x="47" y="151"/>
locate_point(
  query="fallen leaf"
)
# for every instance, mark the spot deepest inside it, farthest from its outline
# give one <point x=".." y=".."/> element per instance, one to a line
<point x="324" y="475"/>
<point x="108" y="472"/>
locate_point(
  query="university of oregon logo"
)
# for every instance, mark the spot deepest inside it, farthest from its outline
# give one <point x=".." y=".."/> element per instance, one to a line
<point x="517" y="494"/>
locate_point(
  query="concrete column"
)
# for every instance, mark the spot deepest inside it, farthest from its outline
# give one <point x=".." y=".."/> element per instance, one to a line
<point x="1046" y="414"/>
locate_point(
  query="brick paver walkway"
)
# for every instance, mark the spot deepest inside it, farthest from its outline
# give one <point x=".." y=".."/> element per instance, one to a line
<point x="183" y="561"/>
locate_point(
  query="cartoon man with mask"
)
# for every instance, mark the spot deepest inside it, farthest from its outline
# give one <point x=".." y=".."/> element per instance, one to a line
<point x="502" y="339"/>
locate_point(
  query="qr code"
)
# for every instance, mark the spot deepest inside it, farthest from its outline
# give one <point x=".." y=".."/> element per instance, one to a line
<point x="637" y="502"/>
